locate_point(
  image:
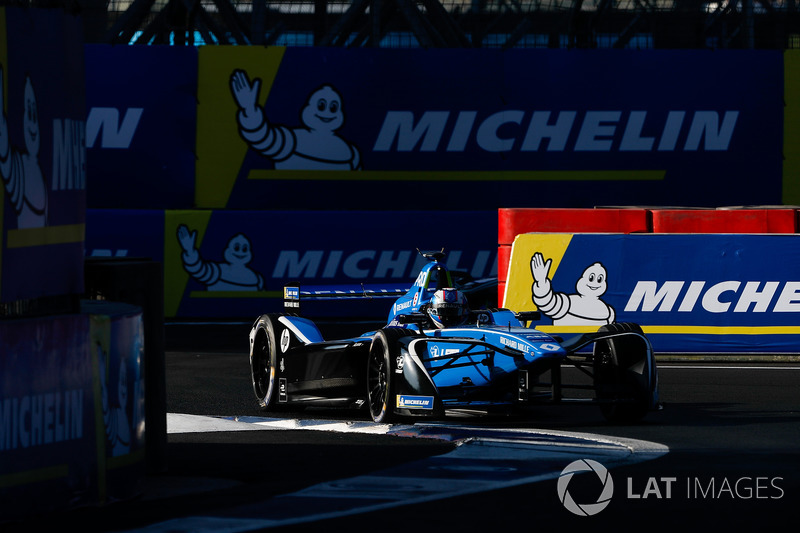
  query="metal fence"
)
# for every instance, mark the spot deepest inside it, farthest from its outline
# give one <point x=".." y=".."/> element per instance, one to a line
<point x="699" y="24"/>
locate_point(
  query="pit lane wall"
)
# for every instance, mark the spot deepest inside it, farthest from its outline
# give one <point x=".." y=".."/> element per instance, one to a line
<point x="71" y="410"/>
<point x="731" y="291"/>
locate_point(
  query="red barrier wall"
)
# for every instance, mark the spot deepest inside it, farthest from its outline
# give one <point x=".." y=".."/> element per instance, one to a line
<point x="512" y="222"/>
<point x="725" y="221"/>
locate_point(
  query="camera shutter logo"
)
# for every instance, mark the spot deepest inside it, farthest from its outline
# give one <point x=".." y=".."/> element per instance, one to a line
<point x="577" y="467"/>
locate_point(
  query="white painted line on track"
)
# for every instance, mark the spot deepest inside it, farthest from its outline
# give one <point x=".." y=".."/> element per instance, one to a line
<point x="182" y="423"/>
<point x="484" y="459"/>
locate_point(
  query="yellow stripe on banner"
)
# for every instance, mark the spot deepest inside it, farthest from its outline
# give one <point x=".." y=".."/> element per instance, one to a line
<point x="219" y="147"/>
<point x="552" y="246"/>
<point x="66" y="234"/>
<point x="236" y="294"/>
<point x="175" y="276"/>
<point x="684" y="330"/>
<point x="33" y="476"/>
<point x="455" y="175"/>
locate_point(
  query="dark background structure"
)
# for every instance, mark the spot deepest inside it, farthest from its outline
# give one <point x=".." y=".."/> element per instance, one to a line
<point x="579" y="24"/>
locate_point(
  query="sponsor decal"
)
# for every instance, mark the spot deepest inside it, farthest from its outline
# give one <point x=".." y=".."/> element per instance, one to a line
<point x="436" y="351"/>
<point x="514" y="344"/>
<point x="283" y="394"/>
<point x="399" y="306"/>
<point x="414" y="402"/>
<point x="291" y="293"/>
<point x="285" y="339"/>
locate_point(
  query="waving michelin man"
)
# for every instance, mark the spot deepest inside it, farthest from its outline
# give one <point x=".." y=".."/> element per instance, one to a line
<point x="22" y="176"/>
<point x="582" y="309"/>
<point x="231" y="275"/>
<point x="314" y="146"/>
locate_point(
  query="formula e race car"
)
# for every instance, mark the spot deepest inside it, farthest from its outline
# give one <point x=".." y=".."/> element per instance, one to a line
<point x="436" y="354"/>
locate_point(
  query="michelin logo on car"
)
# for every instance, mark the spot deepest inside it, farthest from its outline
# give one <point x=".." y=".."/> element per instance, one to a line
<point x="291" y="293"/>
<point x="414" y="402"/>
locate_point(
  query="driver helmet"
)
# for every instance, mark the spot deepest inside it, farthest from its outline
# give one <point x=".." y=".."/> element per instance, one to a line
<point x="448" y="308"/>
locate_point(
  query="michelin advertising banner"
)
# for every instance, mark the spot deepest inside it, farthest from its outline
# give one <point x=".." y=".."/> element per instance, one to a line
<point x="42" y="155"/>
<point x="702" y="293"/>
<point x="315" y="128"/>
<point x="71" y="410"/>
<point x="235" y="263"/>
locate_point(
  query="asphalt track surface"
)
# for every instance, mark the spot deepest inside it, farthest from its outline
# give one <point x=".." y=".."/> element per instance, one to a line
<point x="730" y="432"/>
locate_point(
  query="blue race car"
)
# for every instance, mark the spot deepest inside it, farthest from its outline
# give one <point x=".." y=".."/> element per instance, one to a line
<point x="436" y="354"/>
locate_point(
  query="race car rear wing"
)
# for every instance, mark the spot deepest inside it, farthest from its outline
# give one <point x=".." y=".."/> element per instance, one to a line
<point x="293" y="293"/>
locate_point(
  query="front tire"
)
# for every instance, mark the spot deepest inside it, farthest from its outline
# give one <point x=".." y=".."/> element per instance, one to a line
<point x="263" y="359"/>
<point x="380" y="391"/>
<point x="623" y="374"/>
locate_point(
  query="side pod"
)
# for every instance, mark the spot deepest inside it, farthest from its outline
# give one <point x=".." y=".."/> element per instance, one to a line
<point x="415" y="394"/>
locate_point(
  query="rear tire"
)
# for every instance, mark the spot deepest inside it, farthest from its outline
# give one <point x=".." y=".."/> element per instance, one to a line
<point x="380" y="369"/>
<point x="622" y="375"/>
<point x="263" y="359"/>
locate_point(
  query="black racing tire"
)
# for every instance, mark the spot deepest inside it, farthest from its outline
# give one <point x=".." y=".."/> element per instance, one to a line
<point x="263" y="360"/>
<point x="380" y="369"/>
<point x="621" y="374"/>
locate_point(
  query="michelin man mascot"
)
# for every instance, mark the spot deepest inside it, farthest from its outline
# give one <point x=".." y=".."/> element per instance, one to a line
<point x="233" y="274"/>
<point x="582" y="309"/>
<point x="22" y="176"/>
<point x="314" y="146"/>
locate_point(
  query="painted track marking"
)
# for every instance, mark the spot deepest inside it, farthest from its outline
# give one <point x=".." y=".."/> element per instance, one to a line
<point x="484" y="460"/>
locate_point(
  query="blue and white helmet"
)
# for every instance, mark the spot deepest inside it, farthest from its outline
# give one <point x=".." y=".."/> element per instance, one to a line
<point x="448" y="308"/>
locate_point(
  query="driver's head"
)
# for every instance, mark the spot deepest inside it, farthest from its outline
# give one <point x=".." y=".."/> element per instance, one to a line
<point x="448" y="308"/>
